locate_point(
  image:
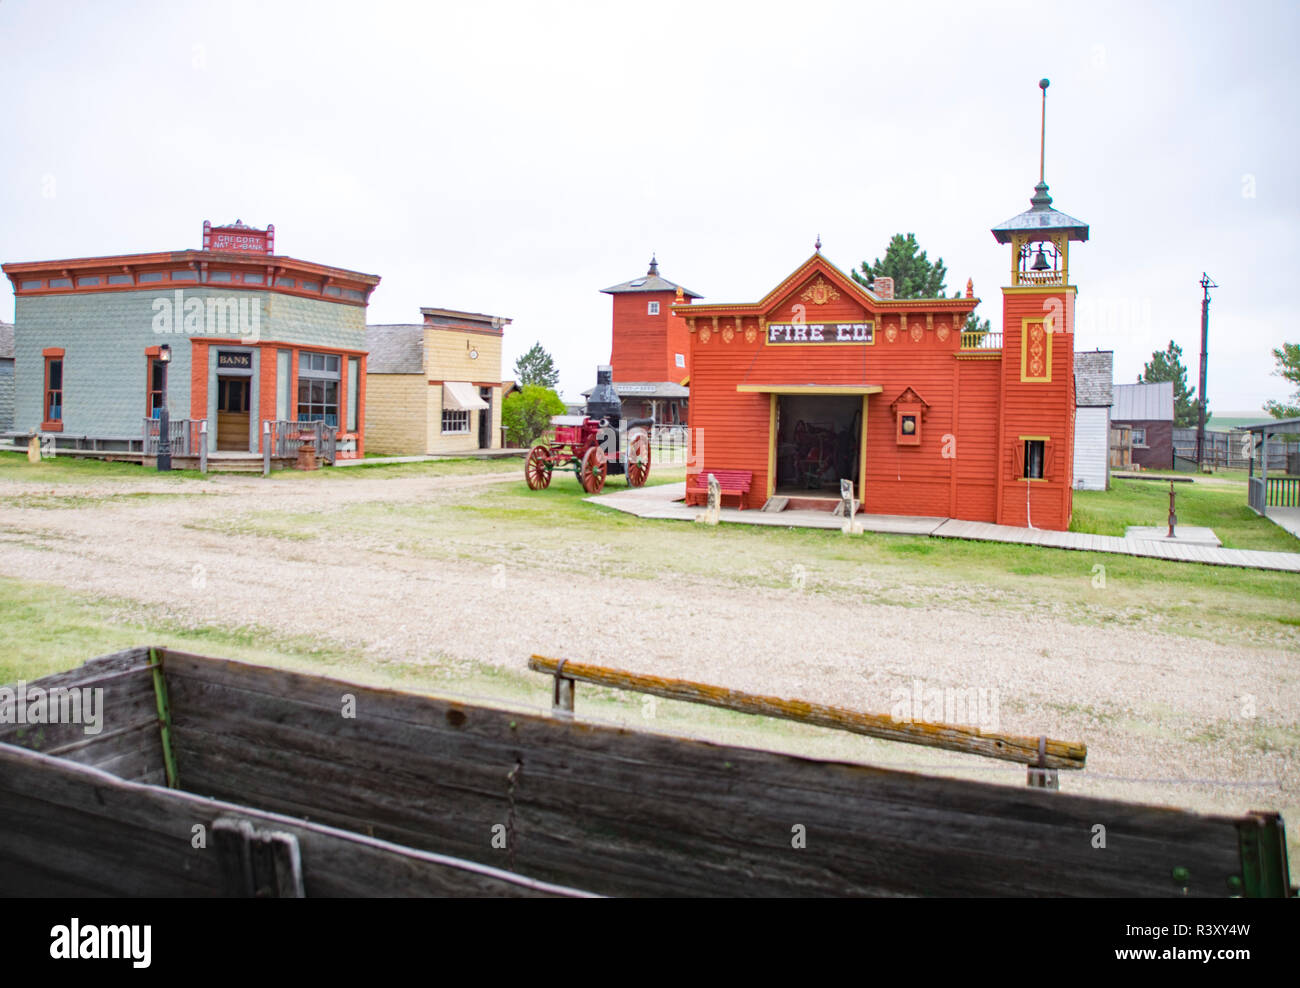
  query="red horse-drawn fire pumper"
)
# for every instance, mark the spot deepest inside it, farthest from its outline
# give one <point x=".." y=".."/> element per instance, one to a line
<point x="594" y="445"/>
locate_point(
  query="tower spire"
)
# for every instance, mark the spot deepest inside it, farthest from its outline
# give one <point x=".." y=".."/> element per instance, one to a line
<point x="1042" y="140"/>
<point x="654" y="265"/>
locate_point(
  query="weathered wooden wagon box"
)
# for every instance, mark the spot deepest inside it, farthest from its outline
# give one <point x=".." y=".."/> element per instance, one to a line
<point x="210" y="777"/>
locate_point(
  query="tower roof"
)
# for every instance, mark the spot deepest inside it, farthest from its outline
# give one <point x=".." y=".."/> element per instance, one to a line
<point x="649" y="282"/>
<point x="1041" y="218"/>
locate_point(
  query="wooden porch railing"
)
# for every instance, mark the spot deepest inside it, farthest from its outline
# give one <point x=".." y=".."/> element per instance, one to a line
<point x="981" y="341"/>
<point x="1282" y="492"/>
<point x="1255" y="494"/>
<point x="287" y="436"/>
<point x="184" y="436"/>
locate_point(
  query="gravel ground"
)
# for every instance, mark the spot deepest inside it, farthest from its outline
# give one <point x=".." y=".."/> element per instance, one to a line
<point x="1162" y="715"/>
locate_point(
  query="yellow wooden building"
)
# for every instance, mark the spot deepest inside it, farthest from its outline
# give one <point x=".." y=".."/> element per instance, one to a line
<point x="435" y="386"/>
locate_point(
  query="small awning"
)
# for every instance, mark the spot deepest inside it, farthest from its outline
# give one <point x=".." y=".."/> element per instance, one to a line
<point x="463" y="396"/>
<point x="812" y="389"/>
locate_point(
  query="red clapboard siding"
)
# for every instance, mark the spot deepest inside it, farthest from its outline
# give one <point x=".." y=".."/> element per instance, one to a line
<point x="976" y="407"/>
<point x="645" y="346"/>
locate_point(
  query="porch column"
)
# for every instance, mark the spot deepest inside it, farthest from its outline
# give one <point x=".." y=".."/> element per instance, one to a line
<point x="1263" y="475"/>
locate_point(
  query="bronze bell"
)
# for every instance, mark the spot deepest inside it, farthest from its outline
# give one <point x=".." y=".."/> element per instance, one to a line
<point x="1040" y="262"/>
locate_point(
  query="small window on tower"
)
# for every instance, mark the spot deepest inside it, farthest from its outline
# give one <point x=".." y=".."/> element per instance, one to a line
<point x="1034" y="459"/>
<point x="653" y="309"/>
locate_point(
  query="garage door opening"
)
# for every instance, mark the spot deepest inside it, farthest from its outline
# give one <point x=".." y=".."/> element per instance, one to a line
<point x="818" y="441"/>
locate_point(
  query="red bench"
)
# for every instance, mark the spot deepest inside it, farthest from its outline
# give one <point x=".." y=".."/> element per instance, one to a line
<point x="734" y="483"/>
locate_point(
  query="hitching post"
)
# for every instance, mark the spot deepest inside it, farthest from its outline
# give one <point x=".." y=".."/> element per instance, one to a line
<point x="562" y="699"/>
<point x="203" y="446"/>
<point x="1173" y="518"/>
<point x="266" y="447"/>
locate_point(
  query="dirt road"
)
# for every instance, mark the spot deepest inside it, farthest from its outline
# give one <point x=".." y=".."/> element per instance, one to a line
<point x="1215" y="721"/>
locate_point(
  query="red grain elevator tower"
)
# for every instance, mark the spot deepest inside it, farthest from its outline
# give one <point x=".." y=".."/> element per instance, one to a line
<point x="651" y="347"/>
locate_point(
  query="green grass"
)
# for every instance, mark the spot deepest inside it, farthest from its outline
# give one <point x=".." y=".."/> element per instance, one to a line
<point x="69" y="469"/>
<point x="556" y="532"/>
<point x="1221" y="507"/>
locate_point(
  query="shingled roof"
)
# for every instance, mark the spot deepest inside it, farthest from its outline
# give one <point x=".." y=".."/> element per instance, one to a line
<point x="651" y="282"/>
<point x="395" y="348"/>
<point x="1094" y="379"/>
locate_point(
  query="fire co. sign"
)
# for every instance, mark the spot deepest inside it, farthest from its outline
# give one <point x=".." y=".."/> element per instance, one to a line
<point x="813" y="332"/>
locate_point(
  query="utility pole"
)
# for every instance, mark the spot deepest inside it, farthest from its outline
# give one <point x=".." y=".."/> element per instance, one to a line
<point x="1206" y="285"/>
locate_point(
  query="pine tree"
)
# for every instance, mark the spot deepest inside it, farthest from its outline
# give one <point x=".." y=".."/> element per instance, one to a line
<point x="1288" y="367"/>
<point x="536" y="367"/>
<point x="914" y="274"/>
<point x="1167" y="365"/>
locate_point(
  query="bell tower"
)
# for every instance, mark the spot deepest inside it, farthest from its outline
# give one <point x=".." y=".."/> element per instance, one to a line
<point x="1037" y="437"/>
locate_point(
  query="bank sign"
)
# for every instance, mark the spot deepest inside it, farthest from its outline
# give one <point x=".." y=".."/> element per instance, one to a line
<point x="816" y="332"/>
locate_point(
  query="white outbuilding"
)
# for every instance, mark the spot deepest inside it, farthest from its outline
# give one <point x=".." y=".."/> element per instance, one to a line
<point x="1093" y="397"/>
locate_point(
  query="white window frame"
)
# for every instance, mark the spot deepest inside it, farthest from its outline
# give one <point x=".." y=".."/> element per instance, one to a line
<point x="1140" y="430"/>
<point x="652" y="309"/>
<point x="454" y="413"/>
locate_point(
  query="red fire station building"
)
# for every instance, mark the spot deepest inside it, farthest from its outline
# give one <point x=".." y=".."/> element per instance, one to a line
<point x="823" y="379"/>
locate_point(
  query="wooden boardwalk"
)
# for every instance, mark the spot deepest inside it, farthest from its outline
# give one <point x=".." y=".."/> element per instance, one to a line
<point x="663" y="501"/>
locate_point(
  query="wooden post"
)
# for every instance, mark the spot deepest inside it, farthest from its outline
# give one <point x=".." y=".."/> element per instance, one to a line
<point x="259" y="864"/>
<point x="164" y="717"/>
<point x="1039" y="776"/>
<point x="34" y="449"/>
<point x="266" y="447"/>
<point x="203" y="446"/>
<point x="562" y="698"/>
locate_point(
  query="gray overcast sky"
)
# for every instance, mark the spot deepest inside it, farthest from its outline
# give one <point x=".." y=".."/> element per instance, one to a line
<point x="516" y="158"/>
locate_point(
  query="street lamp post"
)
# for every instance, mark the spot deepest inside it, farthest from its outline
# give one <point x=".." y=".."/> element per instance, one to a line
<point x="164" y="423"/>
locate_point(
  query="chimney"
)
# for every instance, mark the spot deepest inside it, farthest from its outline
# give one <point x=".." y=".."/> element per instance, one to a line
<point x="883" y="286"/>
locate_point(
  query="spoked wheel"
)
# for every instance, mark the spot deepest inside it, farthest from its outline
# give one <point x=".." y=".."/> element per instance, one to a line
<point x="638" y="459"/>
<point x="592" y="474"/>
<point x="537" y="469"/>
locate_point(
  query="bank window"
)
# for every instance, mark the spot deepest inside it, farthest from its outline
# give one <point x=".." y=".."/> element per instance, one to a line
<point x="53" y="389"/>
<point x="318" y="388"/>
<point x="1139" y="437"/>
<point x="155" y="387"/>
<point x="455" y="421"/>
<point x="652" y="309"/>
<point x="1034" y="459"/>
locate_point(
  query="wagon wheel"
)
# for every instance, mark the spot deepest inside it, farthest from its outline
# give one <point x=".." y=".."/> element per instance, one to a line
<point x="638" y="459"/>
<point x="537" y="469"/>
<point x="594" y="466"/>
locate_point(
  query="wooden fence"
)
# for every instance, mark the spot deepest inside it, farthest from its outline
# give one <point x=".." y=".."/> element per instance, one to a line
<point x="1230" y="450"/>
<point x="481" y="797"/>
<point x="186" y="435"/>
<point x="287" y="437"/>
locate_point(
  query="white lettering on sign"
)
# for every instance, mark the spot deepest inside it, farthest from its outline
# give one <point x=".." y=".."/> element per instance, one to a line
<point x="844" y="332"/>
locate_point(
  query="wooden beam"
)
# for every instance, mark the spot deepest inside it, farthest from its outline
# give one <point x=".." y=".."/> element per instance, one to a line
<point x="1006" y="747"/>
